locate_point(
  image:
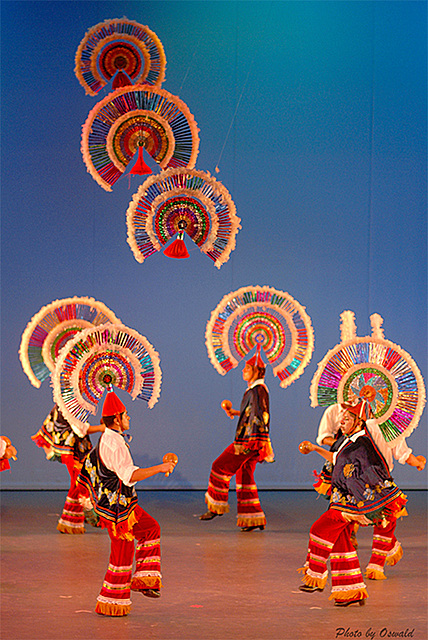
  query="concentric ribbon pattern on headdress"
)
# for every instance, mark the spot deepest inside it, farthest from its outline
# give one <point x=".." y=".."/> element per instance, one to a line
<point x="138" y="116"/>
<point x="376" y="370"/>
<point x="52" y="327"/>
<point x="111" y="354"/>
<point x="183" y="200"/>
<point x="119" y="45"/>
<point x="260" y="315"/>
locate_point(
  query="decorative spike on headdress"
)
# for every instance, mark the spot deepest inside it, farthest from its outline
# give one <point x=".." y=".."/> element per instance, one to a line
<point x="377" y="322"/>
<point x="348" y="328"/>
<point x="112" y="404"/>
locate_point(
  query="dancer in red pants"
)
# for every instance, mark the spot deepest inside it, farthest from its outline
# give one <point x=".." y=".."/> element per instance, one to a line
<point x="362" y="491"/>
<point x="109" y="476"/>
<point x="251" y="445"/>
<point x="386" y="549"/>
<point x="63" y="444"/>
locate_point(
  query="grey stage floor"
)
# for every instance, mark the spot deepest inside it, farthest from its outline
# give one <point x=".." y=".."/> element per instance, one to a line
<point x="219" y="583"/>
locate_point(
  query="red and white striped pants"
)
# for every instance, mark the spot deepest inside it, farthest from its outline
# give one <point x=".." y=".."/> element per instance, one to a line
<point x="330" y="537"/>
<point x="114" y="598"/>
<point x="72" y="518"/>
<point x="385" y="548"/>
<point x="242" y="465"/>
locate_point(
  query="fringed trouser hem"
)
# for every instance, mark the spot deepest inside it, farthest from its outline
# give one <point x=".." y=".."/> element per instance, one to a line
<point x="251" y="520"/>
<point x="112" y="609"/>
<point x="216" y="506"/>
<point x="349" y="594"/>
<point x="385" y="550"/>
<point x="67" y="528"/>
<point x="373" y="572"/>
<point x="395" y="555"/>
<point x="140" y="583"/>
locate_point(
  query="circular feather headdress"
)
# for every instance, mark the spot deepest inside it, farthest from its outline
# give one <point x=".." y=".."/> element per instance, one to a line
<point x="183" y="201"/>
<point x="138" y="116"/>
<point x="111" y="355"/>
<point x="264" y="317"/>
<point x="119" y="46"/>
<point x="52" y="327"/>
<point x="372" y="369"/>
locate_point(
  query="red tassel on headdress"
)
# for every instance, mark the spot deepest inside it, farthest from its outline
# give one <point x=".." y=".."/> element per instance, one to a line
<point x="120" y="80"/>
<point x="140" y="167"/>
<point x="177" y="249"/>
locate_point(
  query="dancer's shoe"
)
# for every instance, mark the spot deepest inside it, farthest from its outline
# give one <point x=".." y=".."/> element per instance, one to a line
<point x="346" y="603"/>
<point x="256" y="526"/>
<point x="209" y="515"/>
<point x="309" y="588"/>
<point x="151" y="593"/>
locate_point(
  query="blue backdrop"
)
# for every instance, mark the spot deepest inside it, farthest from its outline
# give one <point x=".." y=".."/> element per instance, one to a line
<point x="325" y="160"/>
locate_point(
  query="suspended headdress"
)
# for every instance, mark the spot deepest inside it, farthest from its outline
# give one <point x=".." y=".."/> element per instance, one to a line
<point x="121" y="49"/>
<point x="51" y="327"/>
<point x="133" y="117"/>
<point x="182" y="201"/>
<point x="99" y="358"/>
<point x="264" y="316"/>
<point x="375" y="370"/>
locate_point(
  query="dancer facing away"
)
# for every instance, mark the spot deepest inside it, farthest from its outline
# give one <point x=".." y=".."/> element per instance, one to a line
<point x="362" y="491"/>
<point x="385" y="548"/>
<point x="62" y="443"/>
<point x="251" y="445"/>
<point x="109" y="476"/>
<point x="7" y="451"/>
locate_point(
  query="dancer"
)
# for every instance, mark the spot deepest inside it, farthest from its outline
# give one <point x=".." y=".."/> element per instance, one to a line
<point x="251" y="445"/>
<point x="7" y="451"/>
<point x="109" y="476"/>
<point x="61" y="443"/>
<point x="362" y="491"/>
<point x="386" y="548"/>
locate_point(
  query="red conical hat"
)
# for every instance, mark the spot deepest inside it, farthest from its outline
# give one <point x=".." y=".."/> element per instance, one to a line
<point x="361" y="409"/>
<point x="256" y="359"/>
<point x="112" y="405"/>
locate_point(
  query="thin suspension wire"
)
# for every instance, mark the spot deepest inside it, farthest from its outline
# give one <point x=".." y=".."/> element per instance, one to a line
<point x="370" y="185"/>
<point x="190" y="63"/>
<point x="263" y="30"/>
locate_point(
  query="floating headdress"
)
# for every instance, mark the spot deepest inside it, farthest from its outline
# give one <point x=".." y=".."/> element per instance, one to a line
<point x="138" y="116"/>
<point x="262" y="316"/>
<point x="372" y="369"/>
<point x="50" y="329"/>
<point x="120" y="49"/>
<point x="183" y="201"/>
<point x="101" y="357"/>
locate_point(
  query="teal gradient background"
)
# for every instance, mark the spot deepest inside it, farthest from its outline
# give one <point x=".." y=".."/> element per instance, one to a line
<point x="315" y="113"/>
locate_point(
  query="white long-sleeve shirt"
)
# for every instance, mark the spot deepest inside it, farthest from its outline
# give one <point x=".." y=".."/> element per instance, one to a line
<point x="116" y="456"/>
<point x="330" y="424"/>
